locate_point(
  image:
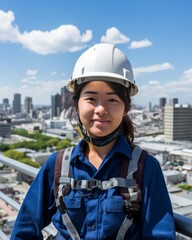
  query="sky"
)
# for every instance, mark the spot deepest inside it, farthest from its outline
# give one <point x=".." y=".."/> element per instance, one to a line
<point x="40" y="42"/>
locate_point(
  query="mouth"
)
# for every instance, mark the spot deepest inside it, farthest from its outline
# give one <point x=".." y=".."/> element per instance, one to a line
<point x="101" y="120"/>
<point x="101" y="123"/>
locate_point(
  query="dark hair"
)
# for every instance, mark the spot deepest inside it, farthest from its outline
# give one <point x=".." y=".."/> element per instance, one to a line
<point x="71" y="102"/>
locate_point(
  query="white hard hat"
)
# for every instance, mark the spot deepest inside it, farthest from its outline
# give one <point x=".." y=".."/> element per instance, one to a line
<point x="104" y="62"/>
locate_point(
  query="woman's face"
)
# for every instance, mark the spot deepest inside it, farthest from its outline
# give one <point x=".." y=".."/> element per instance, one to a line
<point x="100" y="109"/>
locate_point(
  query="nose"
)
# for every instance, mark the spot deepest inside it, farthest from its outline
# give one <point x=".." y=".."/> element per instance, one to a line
<point x="101" y="109"/>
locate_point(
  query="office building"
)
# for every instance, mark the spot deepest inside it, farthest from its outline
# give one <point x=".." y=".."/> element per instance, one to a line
<point x="64" y="90"/>
<point x="17" y="103"/>
<point x="28" y="105"/>
<point x="5" y="127"/>
<point x="66" y="98"/>
<point x="56" y="105"/>
<point x="5" y="104"/>
<point x="173" y="101"/>
<point x="162" y="102"/>
<point x="178" y="122"/>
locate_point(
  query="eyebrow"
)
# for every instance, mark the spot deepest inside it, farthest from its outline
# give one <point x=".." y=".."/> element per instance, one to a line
<point x="93" y="92"/>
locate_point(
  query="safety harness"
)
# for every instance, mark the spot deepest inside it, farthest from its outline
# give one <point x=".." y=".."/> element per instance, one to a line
<point x="129" y="184"/>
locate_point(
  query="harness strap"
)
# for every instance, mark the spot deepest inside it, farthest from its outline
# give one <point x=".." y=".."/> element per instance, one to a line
<point x="64" y="169"/>
<point x="123" y="229"/>
<point x="95" y="183"/>
<point x="59" y="201"/>
<point x="133" y="167"/>
<point x="65" y="182"/>
<point x="65" y="161"/>
<point x="70" y="227"/>
<point x="131" y="196"/>
<point x="136" y="153"/>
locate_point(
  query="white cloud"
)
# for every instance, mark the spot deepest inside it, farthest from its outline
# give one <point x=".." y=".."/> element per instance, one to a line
<point x="31" y="72"/>
<point x="154" y="82"/>
<point x="8" y="32"/>
<point x="25" y="80"/>
<point x="180" y="88"/>
<point x="113" y="35"/>
<point x="30" y="77"/>
<point x="188" y="74"/>
<point x="153" y="68"/>
<point x="65" y="38"/>
<point x="40" y="91"/>
<point x="140" y="44"/>
<point x="30" y="80"/>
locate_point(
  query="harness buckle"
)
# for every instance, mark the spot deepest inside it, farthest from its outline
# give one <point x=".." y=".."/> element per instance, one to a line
<point x="61" y="205"/>
<point x="94" y="183"/>
<point x="131" y="211"/>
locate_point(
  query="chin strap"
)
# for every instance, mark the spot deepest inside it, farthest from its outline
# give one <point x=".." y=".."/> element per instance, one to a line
<point x="101" y="141"/>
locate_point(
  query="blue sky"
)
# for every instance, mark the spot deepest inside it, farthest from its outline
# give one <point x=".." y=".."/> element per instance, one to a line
<point x="41" y="40"/>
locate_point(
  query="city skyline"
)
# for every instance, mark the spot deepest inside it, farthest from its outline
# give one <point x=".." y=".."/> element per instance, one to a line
<point x="27" y="100"/>
<point x="39" y="45"/>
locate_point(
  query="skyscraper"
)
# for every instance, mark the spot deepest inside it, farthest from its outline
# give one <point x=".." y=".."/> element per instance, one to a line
<point x="66" y="97"/>
<point x="162" y="102"/>
<point x="5" y="104"/>
<point x="28" y="104"/>
<point x="17" y="103"/>
<point x="63" y="90"/>
<point x="173" y="101"/>
<point x="178" y="122"/>
<point x="56" y="105"/>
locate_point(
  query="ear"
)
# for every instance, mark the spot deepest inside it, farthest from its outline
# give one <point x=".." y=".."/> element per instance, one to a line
<point x="125" y="113"/>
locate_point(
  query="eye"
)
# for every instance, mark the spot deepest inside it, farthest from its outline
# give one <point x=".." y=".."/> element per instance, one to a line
<point x="90" y="99"/>
<point x="112" y="100"/>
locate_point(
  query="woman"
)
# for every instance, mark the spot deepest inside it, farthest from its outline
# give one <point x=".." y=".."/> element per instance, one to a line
<point x="101" y="86"/>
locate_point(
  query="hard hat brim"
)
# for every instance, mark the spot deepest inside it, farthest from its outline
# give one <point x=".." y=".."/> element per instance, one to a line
<point x="109" y="77"/>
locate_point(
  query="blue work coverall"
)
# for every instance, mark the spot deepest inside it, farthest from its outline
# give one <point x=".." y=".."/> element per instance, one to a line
<point x="100" y="214"/>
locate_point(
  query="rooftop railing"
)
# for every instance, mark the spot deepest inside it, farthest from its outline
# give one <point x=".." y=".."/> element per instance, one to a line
<point x="183" y="224"/>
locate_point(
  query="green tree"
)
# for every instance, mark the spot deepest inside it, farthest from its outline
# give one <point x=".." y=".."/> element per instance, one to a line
<point x="14" y="154"/>
<point x="22" y="144"/>
<point x="30" y="162"/>
<point x="53" y="142"/>
<point x="20" y="157"/>
<point x="4" y="147"/>
<point x="64" y="144"/>
<point x="186" y="187"/>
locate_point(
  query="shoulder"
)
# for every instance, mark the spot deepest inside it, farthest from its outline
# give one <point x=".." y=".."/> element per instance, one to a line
<point x="148" y="160"/>
<point x="151" y="162"/>
<point x="48" y="167"/>
<point x="152" y="172"/>
<point x="51" y="160"/>
<point x="148" y="165"/>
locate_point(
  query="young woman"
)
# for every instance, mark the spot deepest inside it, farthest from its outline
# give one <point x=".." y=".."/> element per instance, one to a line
<point x="94" y="205"/>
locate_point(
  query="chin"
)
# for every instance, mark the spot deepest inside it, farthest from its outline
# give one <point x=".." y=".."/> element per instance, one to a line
<point x="99" y="135"/>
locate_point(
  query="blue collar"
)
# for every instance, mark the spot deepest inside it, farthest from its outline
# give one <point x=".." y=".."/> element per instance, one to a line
<point x="121" y="145"/>
<point x="99" y="141"/>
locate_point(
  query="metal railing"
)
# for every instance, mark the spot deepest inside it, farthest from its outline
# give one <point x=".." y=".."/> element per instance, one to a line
<point x="183" y="224"/>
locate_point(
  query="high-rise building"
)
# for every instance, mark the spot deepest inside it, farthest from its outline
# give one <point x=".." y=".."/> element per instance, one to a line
<point x="56" y="105"/>
<point x="17" y="103"/>
<point x="162" y="102"/>
<point x="64" y="90"/>
<point x="28" y="105"/>
<point x="5" y="126"/>
<point x="5" y="104"/>
<point x="66" y="98"/>
<point x="150" y="107"/>
<point x="178" y="122"/>
<point x="173" y="101"/>
<point x="6" y="100"/>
